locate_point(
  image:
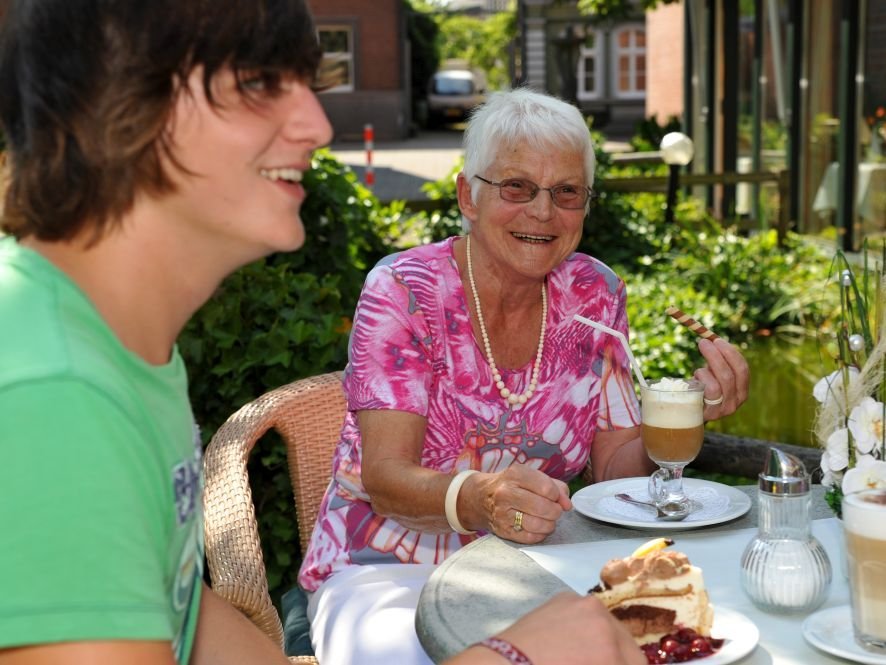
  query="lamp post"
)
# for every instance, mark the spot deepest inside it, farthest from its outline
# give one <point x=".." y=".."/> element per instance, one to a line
<point x="677" y="150"/>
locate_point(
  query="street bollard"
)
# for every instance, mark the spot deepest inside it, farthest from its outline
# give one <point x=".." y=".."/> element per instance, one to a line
<point x="368" y="139"/>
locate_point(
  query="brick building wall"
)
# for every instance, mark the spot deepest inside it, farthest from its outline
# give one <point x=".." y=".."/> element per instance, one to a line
<point x="664" y="62"/>
<point x="380" y="94"/>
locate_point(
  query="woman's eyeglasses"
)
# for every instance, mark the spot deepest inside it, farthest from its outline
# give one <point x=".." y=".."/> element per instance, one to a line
<point x="520" y="190"/>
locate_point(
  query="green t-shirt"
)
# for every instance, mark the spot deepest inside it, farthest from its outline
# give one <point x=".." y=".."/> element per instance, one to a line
<point x="101" y="533"/>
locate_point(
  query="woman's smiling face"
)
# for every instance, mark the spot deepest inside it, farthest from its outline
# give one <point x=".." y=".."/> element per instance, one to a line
<point x="525" y="241"/>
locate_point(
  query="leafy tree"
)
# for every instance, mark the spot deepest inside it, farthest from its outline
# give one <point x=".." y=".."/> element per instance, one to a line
<point x="482" y="42"/>
<point x="618" y="8"/>
<point x="424" y="57"/>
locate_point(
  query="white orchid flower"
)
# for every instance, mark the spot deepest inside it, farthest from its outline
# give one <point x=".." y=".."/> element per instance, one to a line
<point x="829" y="478"/>
<point x="825" y="464"/>
<point x="832" y="384"/>
<point x="837" y="450"/>
<point x="868" y="473"/>
<point x="866" y="425"/>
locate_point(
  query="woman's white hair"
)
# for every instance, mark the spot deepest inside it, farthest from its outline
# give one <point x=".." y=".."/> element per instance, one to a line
<point x="523" y="116"/>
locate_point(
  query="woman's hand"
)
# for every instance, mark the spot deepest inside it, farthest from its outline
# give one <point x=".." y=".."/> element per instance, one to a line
<point x="492" y="501"/>
<point x="726" y="375"/>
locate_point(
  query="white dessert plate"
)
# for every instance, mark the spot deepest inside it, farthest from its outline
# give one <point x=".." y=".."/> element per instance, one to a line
<point x="831" y="631"/>
<point x="720" y="503"/>
<point x="740" y="634"/>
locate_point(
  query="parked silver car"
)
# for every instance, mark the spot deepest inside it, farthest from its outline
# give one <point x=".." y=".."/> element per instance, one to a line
<point x="452" y="94"/>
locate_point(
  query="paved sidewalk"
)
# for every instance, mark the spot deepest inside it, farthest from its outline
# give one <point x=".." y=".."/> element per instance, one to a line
<point x="402" y="167"/>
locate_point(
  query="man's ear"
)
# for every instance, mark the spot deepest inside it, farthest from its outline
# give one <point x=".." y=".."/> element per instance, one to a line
<point x="465" y="200"/>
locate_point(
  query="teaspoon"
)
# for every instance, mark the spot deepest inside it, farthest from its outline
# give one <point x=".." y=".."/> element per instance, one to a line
<point x="667" y="512"/>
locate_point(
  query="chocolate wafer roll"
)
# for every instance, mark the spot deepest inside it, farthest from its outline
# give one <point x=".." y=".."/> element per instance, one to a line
<point x="692" y="324"/>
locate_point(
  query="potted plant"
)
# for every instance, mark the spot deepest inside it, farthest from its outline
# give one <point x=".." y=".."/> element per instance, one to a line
<point x="851" y="421"/>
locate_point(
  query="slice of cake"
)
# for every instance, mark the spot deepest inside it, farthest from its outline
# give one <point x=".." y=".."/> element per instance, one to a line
<point x="656" y="592"/>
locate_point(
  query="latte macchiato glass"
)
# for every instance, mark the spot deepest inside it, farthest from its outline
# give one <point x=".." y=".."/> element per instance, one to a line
<point x="864" y="523"/>
<point x="672" y="428"/>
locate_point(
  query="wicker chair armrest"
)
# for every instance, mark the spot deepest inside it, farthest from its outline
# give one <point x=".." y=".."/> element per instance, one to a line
<point x="233" y="547"/>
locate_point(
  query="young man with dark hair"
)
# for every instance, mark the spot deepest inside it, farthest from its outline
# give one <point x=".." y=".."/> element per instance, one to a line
<point x="154" y="148"/>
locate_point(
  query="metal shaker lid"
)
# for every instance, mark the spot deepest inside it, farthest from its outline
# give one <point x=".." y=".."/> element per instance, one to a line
<point x="783" y="473"/>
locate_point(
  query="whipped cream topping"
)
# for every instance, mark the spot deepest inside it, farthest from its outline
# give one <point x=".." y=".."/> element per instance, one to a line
<point x="639" y="571"/>
<point x="667" y="383"/>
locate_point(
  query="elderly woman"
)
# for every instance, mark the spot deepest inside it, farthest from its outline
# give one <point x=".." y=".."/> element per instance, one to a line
<point x="473" y="396"/>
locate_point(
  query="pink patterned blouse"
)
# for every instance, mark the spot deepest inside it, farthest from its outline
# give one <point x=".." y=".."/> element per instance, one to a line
<point x="412" y="349"/>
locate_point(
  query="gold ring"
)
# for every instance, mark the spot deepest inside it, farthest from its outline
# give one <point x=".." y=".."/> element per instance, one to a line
<point x="713" y="402"/>
<point x="518" y="521"/>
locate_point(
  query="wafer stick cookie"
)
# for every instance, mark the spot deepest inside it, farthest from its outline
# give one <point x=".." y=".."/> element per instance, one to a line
<point x="692" y="324"/>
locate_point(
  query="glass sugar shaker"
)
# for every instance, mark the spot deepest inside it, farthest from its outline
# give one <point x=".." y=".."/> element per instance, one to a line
<point x="784" y="568"/>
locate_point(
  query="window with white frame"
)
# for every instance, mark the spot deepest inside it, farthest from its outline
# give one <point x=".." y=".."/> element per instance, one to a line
<point x="629" y="62"/>
<point x="590" y="66"/>
<point x="337" y="43"/>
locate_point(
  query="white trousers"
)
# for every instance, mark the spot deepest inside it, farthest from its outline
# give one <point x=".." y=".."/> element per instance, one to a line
<point x="365" y="615"/>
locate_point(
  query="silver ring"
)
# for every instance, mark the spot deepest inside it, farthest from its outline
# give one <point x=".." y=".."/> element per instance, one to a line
<point x="518" y="521"/>
<point x="713" y="402"/>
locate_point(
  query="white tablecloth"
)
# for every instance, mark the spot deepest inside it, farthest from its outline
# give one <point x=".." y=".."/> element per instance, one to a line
<point x="718" y="554"/>
<point x="870" y="189"/>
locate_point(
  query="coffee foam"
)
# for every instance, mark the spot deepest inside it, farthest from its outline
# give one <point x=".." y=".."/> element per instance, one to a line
<point x="672" y="405"/>
<point x="865" y="518"/>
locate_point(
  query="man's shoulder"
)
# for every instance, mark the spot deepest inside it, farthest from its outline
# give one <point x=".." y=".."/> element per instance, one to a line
<point x="32" y="334"/>
<point x="50" y="328"/>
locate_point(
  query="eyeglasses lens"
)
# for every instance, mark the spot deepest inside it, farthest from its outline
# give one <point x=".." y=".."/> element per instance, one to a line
<point x="519" y="190"/>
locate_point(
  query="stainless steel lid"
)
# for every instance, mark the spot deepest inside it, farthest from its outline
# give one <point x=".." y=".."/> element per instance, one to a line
<point x="783" y="473"/>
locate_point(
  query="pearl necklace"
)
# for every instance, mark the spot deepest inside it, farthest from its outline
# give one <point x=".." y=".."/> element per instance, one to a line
<point x="512" y="399"/>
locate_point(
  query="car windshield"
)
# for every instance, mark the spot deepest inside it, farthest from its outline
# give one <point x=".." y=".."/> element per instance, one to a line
<point x="446" y="85"/>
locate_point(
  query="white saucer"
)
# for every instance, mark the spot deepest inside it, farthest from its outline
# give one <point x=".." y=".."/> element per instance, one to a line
<point x="720" y="503"/>
<point x="831" y="631"/>
<point x="740" y="634"/>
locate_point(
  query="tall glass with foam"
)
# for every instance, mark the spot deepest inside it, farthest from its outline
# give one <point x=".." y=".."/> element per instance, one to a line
<point x="672" y="428"/>
<point x="864" y="522"/>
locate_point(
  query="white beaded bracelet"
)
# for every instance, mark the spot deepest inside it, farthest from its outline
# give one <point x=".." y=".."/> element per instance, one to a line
<point x="452" y="499"/>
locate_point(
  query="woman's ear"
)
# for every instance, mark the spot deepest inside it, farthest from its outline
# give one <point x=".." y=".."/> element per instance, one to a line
<point x="465" y="199"/>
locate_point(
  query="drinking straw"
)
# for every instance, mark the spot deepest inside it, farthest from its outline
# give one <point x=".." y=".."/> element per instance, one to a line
<point x="624" y="343"/>
<point x="691" y="323"/>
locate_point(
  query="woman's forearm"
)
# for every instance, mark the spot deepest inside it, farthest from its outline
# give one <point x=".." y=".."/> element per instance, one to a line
<point x="620" y="454"/>
<point x="408" y="493"/>
<point x="631" y="460"/>
<point x="399" y="487"/>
